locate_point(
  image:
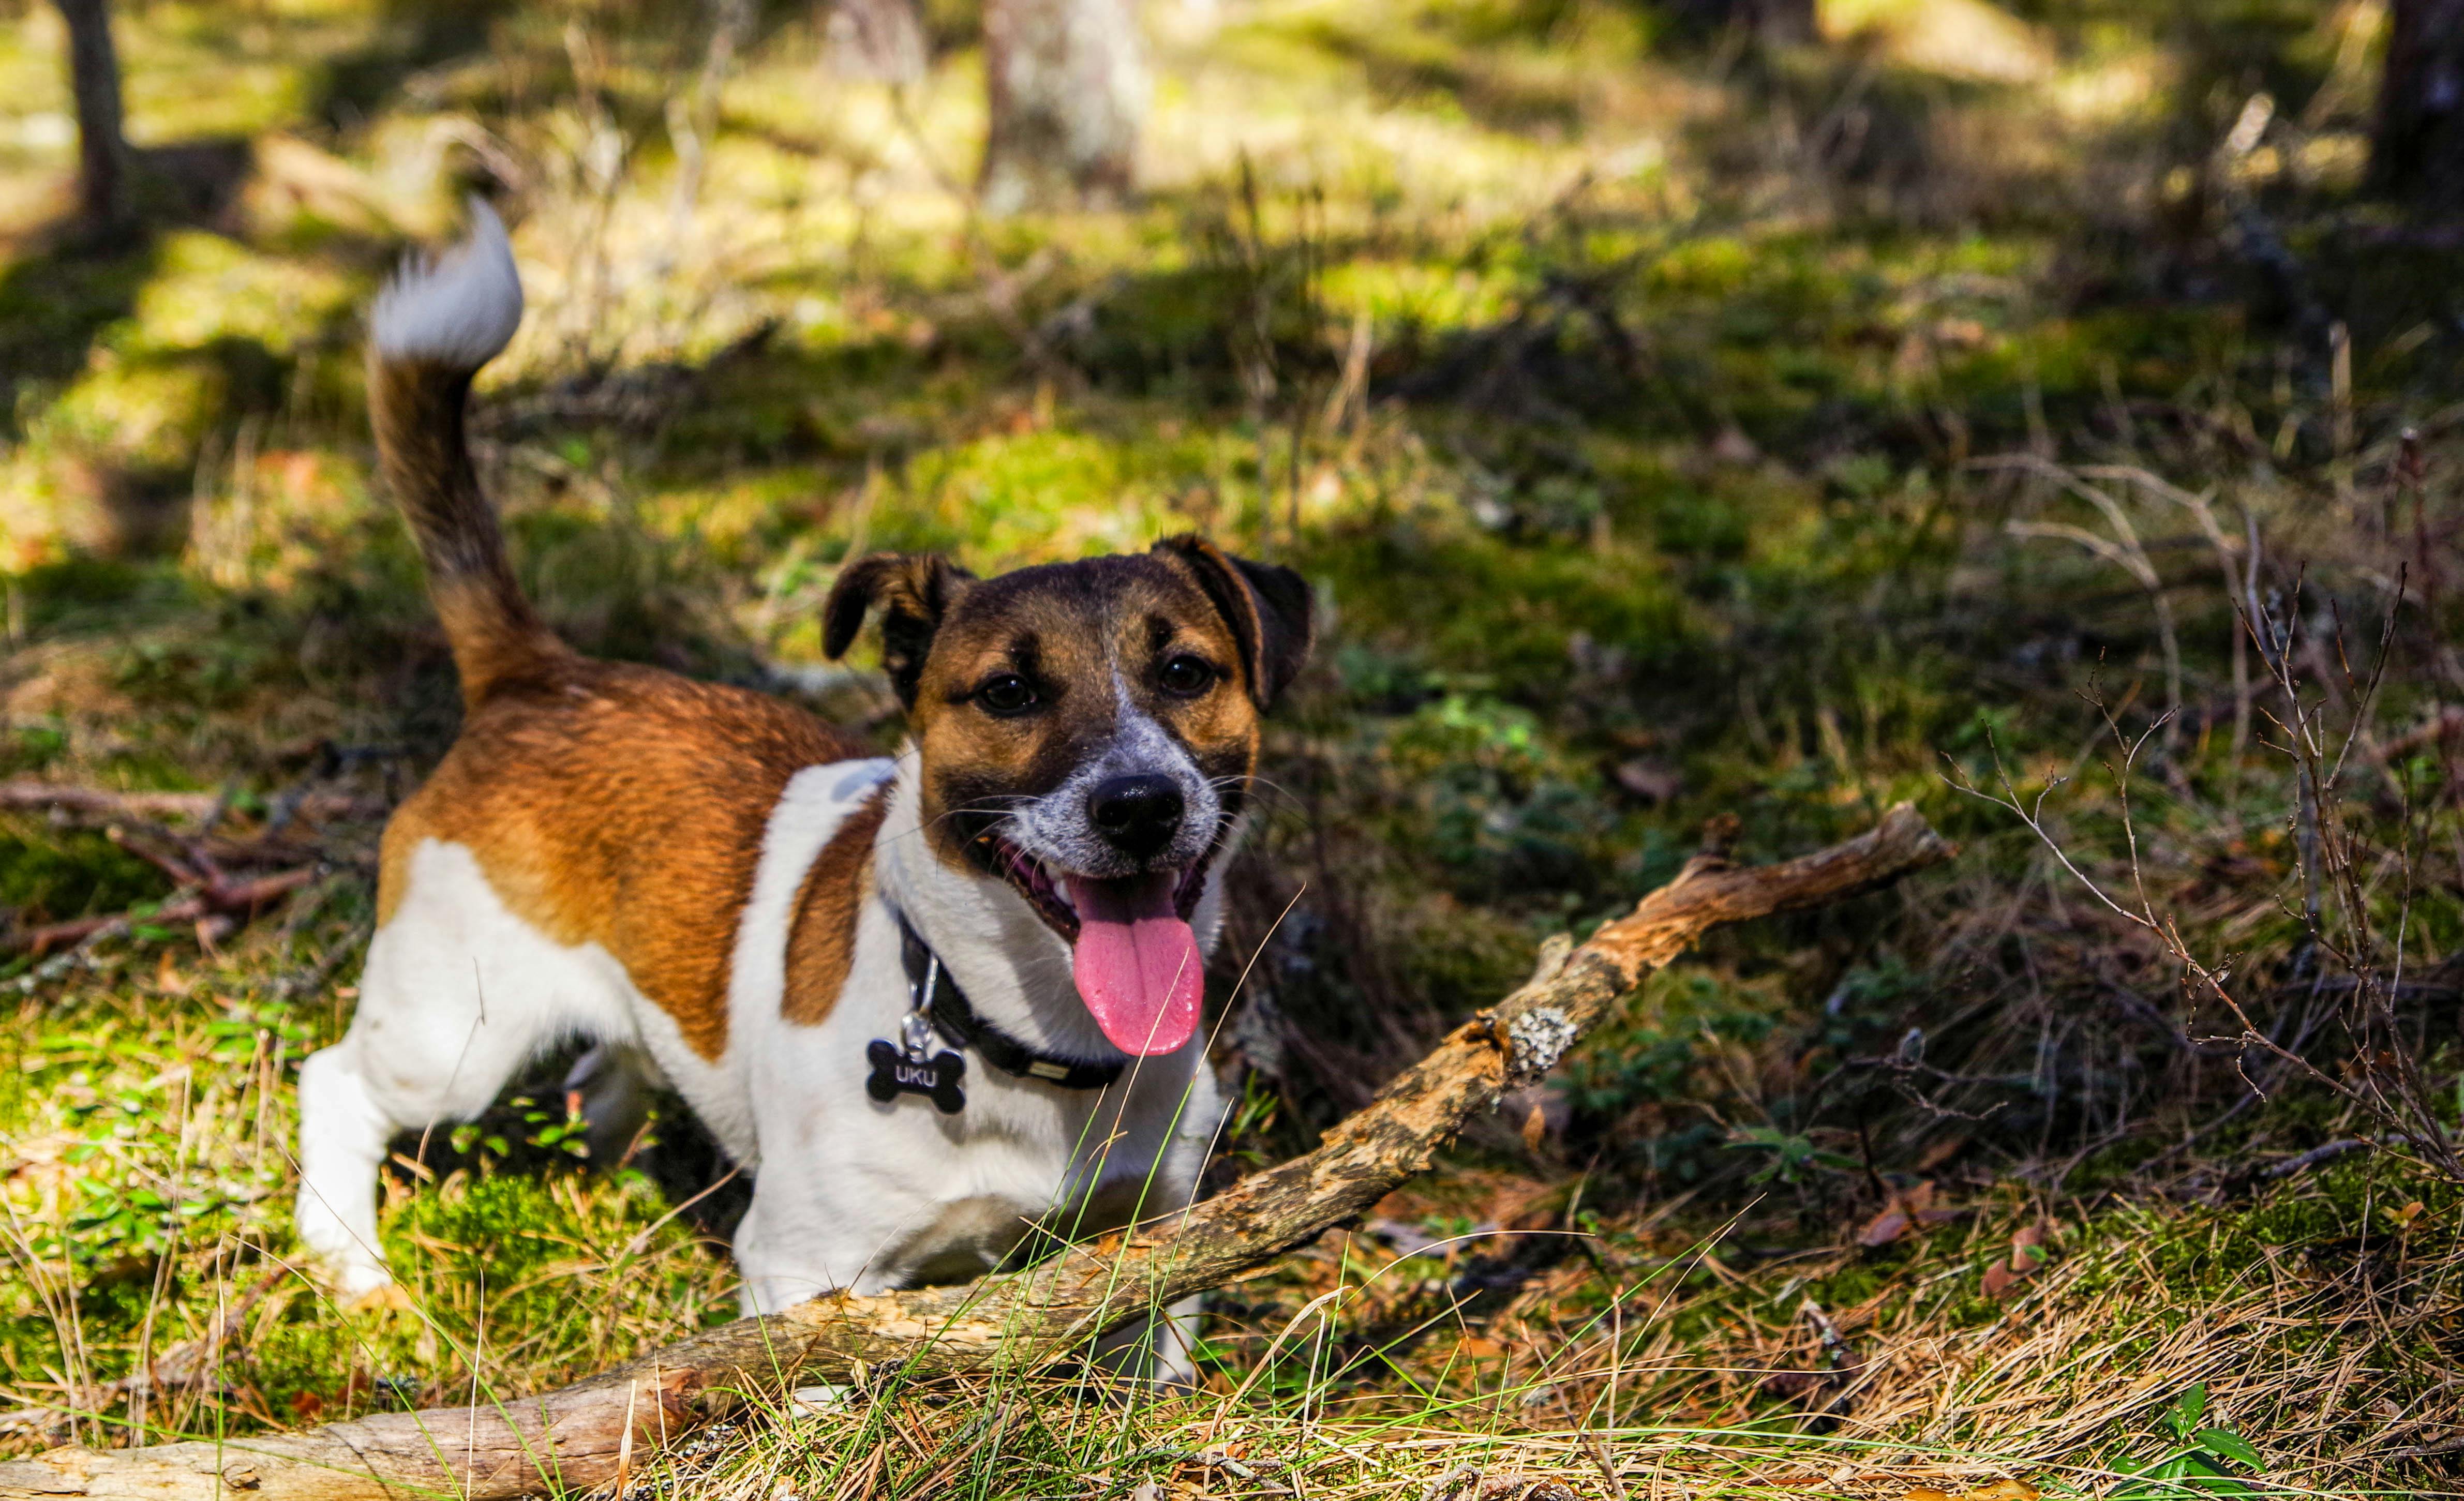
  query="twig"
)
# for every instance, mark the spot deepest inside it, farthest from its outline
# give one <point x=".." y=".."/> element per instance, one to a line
<point x="2453" y="1443"/>
<point x="27" y="795"/>
<point x="2305" y="1161"/>
<point x="1599" y="1455"/>
<point x="2198" y="505"/>
<point x="1446" y="1484"/>
<point x="236" y="899"/>
<point x="313" y="978"/>
<point x="2124" y="551"/>
<point x="2328" y="850"/>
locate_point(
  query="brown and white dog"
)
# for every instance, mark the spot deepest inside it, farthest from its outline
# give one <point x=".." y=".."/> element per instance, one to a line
<point x="718" y="887"/>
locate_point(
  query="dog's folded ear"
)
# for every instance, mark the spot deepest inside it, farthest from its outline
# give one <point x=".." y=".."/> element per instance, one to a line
<point x="1267" y="606"/>
<point x="915" y="590"/>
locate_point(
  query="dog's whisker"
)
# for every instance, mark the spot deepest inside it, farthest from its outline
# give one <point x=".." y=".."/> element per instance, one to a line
<point x="1254" y="783"/>
<point x="995" y="812"/>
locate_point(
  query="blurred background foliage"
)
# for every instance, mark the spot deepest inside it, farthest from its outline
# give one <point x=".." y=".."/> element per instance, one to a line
<point x="1682" y="409"/>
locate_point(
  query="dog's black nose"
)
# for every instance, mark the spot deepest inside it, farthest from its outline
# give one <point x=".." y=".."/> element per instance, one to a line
<point x="1136" y="814"/>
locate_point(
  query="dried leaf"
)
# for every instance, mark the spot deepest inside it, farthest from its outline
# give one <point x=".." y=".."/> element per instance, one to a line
<point x="1535" y="1130"/>
<point x="1532" y="1207"/>
<point x="2001" y="1491"/>
<point x="1884" y="1228"/>
<point x="1925" y="1493"/>
<point x="1647" y="779"/>
<point x="1789" y="1386"/>
<point x="2000" y="1280"/>
<point x="1940" y="1152"/>
<point x="1733" y="446"/>
<point x="1909" y="1208"/>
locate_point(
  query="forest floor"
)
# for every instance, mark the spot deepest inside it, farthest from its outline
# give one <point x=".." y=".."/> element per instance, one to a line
<point x="1671" y="430"/>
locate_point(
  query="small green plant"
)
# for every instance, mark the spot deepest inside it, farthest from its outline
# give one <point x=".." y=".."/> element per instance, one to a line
<point x="568" y="1133"/>
<point x="1791" y="1155"/>
<point x="2195" y="1465"/>
<point x="491" y="1139"/>
<point x="470" y="1136"/>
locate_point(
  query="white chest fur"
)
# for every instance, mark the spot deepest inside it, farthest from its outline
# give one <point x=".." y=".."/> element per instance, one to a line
<point x="856" y="1192"/>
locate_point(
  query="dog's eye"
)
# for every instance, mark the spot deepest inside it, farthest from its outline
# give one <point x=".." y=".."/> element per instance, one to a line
<point x="1007" y="695"/>
<point x="1186" y="677"/>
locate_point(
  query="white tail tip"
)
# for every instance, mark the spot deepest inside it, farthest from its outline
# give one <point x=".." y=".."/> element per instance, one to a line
<point x="459" y="308"/>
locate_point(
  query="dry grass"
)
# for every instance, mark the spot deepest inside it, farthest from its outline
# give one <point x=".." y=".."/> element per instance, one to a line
<point x="1742" y="561"/>
<point x="1530" y="1343"/>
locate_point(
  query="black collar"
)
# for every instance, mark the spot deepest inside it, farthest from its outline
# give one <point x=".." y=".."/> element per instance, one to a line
<point x="957" y="1020"/>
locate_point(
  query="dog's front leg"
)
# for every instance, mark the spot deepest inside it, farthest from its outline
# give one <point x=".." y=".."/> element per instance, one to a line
<point x="1175" y="1359"/>
<point x="1160" y="1349"/>
<point x="795" y="1244"/>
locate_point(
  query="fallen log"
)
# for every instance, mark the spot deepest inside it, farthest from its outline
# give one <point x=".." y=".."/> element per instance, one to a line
<point x="598" y="1430"/>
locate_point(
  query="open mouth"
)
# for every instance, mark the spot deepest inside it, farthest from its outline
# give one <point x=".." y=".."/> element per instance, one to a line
<point x="1131" y="950"/>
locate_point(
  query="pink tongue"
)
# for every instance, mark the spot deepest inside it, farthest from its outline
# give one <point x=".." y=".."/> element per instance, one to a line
<point x="1137" y="963"/>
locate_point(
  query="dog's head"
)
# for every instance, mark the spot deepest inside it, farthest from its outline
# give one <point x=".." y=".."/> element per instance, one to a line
<point x="1087" y="734"/>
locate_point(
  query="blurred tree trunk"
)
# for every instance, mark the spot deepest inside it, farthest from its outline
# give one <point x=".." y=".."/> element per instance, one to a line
<point x="878" y="40"/>
<point x="2419" y="153"/>
<point x="1782" y="22"/>
<point x="94" y="79"/>
<point x="1068" y="84"/>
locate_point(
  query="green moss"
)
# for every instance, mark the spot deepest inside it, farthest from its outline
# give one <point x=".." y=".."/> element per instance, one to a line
<point x="49" y="876"/>
<point x="1535" y="598"/>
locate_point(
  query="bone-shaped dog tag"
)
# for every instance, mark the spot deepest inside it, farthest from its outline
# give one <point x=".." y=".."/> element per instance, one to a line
<point x="895" y="1072"/>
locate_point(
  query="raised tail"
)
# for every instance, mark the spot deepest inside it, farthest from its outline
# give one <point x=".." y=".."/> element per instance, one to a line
<point x="435" y="324"/>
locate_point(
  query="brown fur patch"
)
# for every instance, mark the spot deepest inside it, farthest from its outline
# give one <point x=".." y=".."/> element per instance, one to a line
<point x="620" y="806"/>
<point x="820" y="939"/>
